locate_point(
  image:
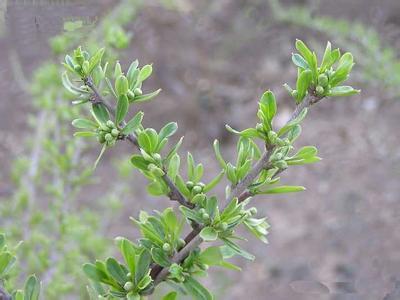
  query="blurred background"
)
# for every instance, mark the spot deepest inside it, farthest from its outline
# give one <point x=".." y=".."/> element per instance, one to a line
<point x="340" y="239"/>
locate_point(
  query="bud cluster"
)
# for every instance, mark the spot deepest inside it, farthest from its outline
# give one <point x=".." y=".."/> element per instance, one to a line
<point x="108" y="133"/>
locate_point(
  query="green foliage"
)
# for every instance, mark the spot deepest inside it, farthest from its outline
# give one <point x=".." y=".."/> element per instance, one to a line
<point x="161" y="254"/>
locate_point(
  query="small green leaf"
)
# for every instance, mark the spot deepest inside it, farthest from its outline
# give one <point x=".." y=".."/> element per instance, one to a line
<point x="341" y="91"/>
<point x="32" y="288"/>
<point x="171" y="296"/>
<point x="236" y="249"/>
<point x="85" y="134"/>
<point x="283" y="189"/>
<point x="84" y="124"/>
<point x="160" y="257"/>
<point x="133" y="124"/>
<point x="247" y="133"/>
<point x="115" y="270"/>
<point x="101" y="114"/>
<point x="173" y="167"/>
<point x="168" y="130"/>
<point x="303" y="83"/>
<point x="304" y="51"/>
<point x="218" y="154"/>
<point x="198" y="291"/>
<point x="268" y="103"/>
<point x="214" y="182"/>
<point x="122" y="109"/>
<point x="121" y="85"/>
<point x="300" y="62"/>
<point x="93" y="273"/>
<point x="146" y="97"/>
<point x="211" y="256"/>
<point x="139" y="162"/>
<point x="95" y="60"/>
<point x="142" y="265"/>
<point x="208" y="234"/>
<point x="145" y="72"/>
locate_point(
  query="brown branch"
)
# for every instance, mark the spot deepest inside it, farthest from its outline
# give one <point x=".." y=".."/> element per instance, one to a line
<point x="174" y="194"/>
<point x="193" y="240"/>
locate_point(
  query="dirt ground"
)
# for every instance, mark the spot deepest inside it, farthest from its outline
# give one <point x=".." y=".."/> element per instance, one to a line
<point x="337" y="240"/>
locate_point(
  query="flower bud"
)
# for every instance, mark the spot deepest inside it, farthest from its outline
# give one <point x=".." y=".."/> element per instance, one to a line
<point x="110" y="124"/>
<point x="128" y="275"/>
<point x="204" y="267"/>
<point x="205" y="216"/>
<point x="253" y="211"/>
<point x="202" y="211"/>
<point x="128" y="286"/>
<point x="108" y="137"/>
<point x="131" y="95"/>
<point x="157" y="157"/>
<point x="224" y="226"/>
<point x="294" y="93"/>
<point x="198" y="198"/>
<point x="138" y="91"/>
<point x="101" y="139"/>
<point x="181" y="243"/>
<point x="272" y="135"/>
<point x="281" y="164"/>
<point x="320" y="90"/>
<point x="323" y="80"/>
<point x="197" y="189"/>
<point x="166" y="247"/>
<point x="189" y="184"/>
<point x="115" y="132"/>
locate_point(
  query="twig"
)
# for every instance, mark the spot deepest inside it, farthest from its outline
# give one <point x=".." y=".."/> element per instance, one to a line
<point x="193" y="239"/>
<point x="174" y="194"/>
<point x="4" y="295"/>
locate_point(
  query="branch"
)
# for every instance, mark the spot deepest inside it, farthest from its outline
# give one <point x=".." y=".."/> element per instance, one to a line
<point x="240" y="191"/>
<point x="4" y="295"/>
<point x="174" y="194"/>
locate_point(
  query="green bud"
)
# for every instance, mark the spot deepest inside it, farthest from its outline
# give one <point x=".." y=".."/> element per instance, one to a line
<point x="128" y="286"/>
<point x="181" y="243"/>
<point x="320" y="90"/>
<point x="101" y="139"/>
<point x="156" y="171"/>
<point x="272" y="135"/>
<point x="323" y="80"/>
<point x="278" y="156"/>
<point x="294" y="94"/>
<point x="201" y="184"/>
<point x="78" y="68"/>
<point x="259" y="127"/>
<point x="280" y="142"/>
<point x="131" y="95"/>
<point x="204" y="267"/>
<point x="198" y="198"/>
<point x="253" y="211"/>
<point x="115" y="132"/>
<point x="110" y="124"/>
<point x="281" y="164"/>
<point x="189" y="184"/>
<point x="129" y="275"/>
<point x="108" y="137"/>
<point x="197" y="189"/>
<point x="157" y="157"/>
<point x="205" y="216"/>
<point x="224" y="226"/>
<point x="202" y="211"/>
<point x="138" y="91"/>
<point x="166" y="247"/>
<point x="117" y="70"/>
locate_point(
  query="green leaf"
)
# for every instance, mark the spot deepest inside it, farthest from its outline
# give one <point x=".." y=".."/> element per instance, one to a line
<point x="94" y="273"/>
<point x="306" y="152"/>
<point x="84" y="124"/>
<point x="139" y="162"/>
<point x="133" y="73"/>
<point x="327" y="58"/>
<point x="211" y="256"/>
<point x="173" y="167"/>
<point x="293" y="123"/>
<point x="341" y="91"/>
<point x="142" y="265"/>
<point x="85" y="134"/>
<point x="342" y="71"/>
<point x="213" y="183"/>
<point x="146" y="97"/>
<point x="171" y="296"/>
<point x="303" y="83"/>
<point x="32" y="288"/>
<point x="168" y="130"/>
<point x="247" y="133"/>
<point x="121" y="85"/>
<point x="268" y="103"/>
<point x="133" y="124"/>
<point x="160" y="257"/>
<point x="128" y="252"/>
<point x="101" y="114"/>
<point x="7" y="261"/>
<point x="208" y="234"/>
<point x="95" y="59"/>
<point x="304" y="51"/>
<point x="122" y="109"/>
<point x="145" y="72"/>
<point x="198" y="291"/>
<point x="300" y="62"/>
<point x="283" y="189"/>
<point x="236" y="249"/>
<point x="116" y="271"/>
<point x="218" y="154"/>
